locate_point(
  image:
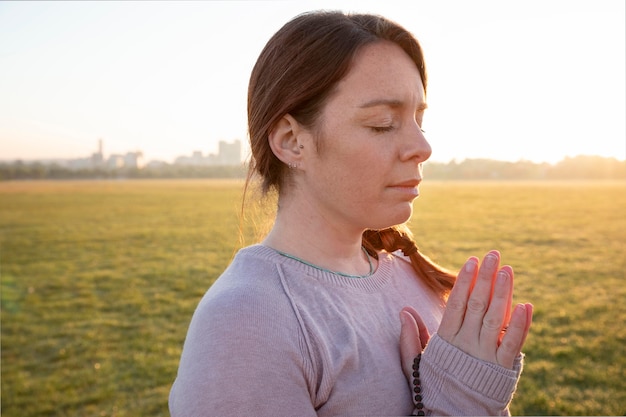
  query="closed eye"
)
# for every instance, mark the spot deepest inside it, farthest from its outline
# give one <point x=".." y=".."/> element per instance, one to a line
<point x="382" y="129"/>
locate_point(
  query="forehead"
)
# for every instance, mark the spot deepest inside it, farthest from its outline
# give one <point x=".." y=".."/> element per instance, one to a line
<point x="381" y="71"/>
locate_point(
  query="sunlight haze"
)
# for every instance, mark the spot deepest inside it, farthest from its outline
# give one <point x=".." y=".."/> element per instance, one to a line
<point x="519" y="80"/>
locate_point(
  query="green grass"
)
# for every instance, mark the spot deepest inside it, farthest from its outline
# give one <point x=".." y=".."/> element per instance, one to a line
<point x="99" y="281"/>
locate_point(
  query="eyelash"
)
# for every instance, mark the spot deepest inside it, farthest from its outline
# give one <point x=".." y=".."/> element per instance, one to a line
<point x="383" y="129"/>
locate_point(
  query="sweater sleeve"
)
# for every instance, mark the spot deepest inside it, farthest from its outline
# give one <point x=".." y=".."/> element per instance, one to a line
<point x="455" y="383"/>
<point x="232" y="364"/>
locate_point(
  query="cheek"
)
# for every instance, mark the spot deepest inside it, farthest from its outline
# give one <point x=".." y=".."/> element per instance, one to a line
<point x="366" y="172"/>
<point x="350" y="160"/>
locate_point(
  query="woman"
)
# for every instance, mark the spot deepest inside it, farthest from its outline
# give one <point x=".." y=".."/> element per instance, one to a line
<point x="330" y="313"/>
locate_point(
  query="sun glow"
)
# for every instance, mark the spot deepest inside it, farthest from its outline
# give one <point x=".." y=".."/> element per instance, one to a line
<point x="507" y="81"/>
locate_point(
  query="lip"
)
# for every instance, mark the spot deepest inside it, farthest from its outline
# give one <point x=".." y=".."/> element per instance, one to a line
<point x="414" y="182"/>
<point x="408" y="187"/>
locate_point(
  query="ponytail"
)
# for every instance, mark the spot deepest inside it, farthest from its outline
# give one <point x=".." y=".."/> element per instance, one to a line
<point x="400" y="238"/>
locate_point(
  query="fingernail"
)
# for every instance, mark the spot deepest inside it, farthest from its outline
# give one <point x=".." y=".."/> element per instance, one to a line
<point x="491" y="260"/>
<point x="520" y="310"/>
<point x="402" y="318"/>
<point x="470" y="265"/>
<point x="503" y="276"/>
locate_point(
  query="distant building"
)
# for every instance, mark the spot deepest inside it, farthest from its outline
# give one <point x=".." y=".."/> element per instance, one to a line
<point x="97" y="159"/>
<point x="229" y="154"/>
<point x="134" y="160"/>
<point x="115" y="162"/>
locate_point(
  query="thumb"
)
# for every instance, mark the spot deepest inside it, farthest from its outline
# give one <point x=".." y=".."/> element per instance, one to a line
<point x="410" y="342"/>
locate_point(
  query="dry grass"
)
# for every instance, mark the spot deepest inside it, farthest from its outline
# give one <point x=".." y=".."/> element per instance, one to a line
<point x="99" y="280"/>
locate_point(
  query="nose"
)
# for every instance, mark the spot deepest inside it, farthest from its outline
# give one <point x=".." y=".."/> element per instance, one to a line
<point x="415" y="146"/>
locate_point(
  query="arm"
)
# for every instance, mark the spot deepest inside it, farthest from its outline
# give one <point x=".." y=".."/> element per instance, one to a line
<point x="242" y="356"/>
<point x="473" y="364"/>
<point x="455" y="383"/>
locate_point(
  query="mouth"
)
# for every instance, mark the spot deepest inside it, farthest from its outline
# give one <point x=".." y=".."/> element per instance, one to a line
<point x="409" y="187"/>
<point x="409" y="183"/>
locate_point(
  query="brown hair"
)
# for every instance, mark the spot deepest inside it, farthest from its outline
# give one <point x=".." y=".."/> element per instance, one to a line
<point x="295" y="73"/>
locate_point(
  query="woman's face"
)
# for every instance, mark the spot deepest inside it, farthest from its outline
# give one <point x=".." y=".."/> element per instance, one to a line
<point x="371" y="147"/>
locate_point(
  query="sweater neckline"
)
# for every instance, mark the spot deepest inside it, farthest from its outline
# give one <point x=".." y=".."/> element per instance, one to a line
<point x="379" y="278"/>
<point x="369" y="260"/>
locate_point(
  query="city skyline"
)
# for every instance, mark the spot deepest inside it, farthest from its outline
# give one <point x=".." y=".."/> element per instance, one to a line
<point x="534" y="81"/>
<point x="229" y="153"/>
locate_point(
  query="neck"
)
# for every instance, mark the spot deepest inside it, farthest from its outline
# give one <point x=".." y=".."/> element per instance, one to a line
<point x="308" y="235"/>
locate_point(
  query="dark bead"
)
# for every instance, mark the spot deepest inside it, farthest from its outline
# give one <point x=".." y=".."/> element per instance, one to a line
<point x="417" y="389"/>
<point x="419" y="406"/>
<point x="416" y="374"/>
<point x="416" y="366"/>
<point x="418" y="398"/>
<point x="421" y="413"/>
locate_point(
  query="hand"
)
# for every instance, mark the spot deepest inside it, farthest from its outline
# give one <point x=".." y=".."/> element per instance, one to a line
<point x="478" y="318"/>
<point x="413" y="338"/>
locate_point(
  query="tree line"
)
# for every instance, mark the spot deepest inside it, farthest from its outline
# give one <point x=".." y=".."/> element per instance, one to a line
<point x="571" y="168"/>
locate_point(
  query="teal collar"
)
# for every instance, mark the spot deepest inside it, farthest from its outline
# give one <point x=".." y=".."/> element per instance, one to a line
<point x="369" y="260"/>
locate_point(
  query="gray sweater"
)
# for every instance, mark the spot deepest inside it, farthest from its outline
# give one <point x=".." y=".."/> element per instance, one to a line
<point x="276" y="337"/>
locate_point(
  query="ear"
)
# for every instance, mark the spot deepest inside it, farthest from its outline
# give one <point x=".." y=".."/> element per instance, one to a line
<point x="283" y="140"/>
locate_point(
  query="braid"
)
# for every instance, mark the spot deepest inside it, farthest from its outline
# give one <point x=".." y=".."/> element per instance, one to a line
<point x="400" y="238"/>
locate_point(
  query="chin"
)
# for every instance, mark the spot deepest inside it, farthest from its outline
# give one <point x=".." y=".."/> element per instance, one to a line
<point x="398" y="216"/>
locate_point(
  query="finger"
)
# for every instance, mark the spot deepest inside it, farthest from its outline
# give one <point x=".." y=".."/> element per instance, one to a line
<point x="507" y="314"/>
<point x="424" y="335"/>
<point x="457" y="301"/>
<point x="509" y="270"/>
<point x="410" y="343"/>
<point x="514" y="337"/>
<point x="529" y="321"/>
<point x="496" y="315"/>
<point x="481" y="295"/>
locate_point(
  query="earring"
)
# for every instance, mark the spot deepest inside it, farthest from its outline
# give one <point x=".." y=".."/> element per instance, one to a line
<point x="292" y="165"/>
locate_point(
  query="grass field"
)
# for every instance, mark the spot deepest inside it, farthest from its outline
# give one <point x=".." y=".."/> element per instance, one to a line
<point x="99" y="281"/>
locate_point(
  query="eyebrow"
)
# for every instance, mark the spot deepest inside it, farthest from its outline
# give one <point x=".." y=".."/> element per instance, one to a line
<point x="390" y="103"/>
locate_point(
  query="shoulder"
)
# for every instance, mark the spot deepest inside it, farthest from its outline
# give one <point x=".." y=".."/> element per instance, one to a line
<point x="244" y="328"/>
<point x="247" y="305"/>
<point x="250" y="285"/>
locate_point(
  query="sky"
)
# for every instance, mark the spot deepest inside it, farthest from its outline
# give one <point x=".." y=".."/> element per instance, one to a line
<point x="535" y="80"/>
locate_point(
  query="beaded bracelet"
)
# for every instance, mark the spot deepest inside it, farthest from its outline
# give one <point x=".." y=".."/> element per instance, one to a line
<point x="417" y="387"/>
